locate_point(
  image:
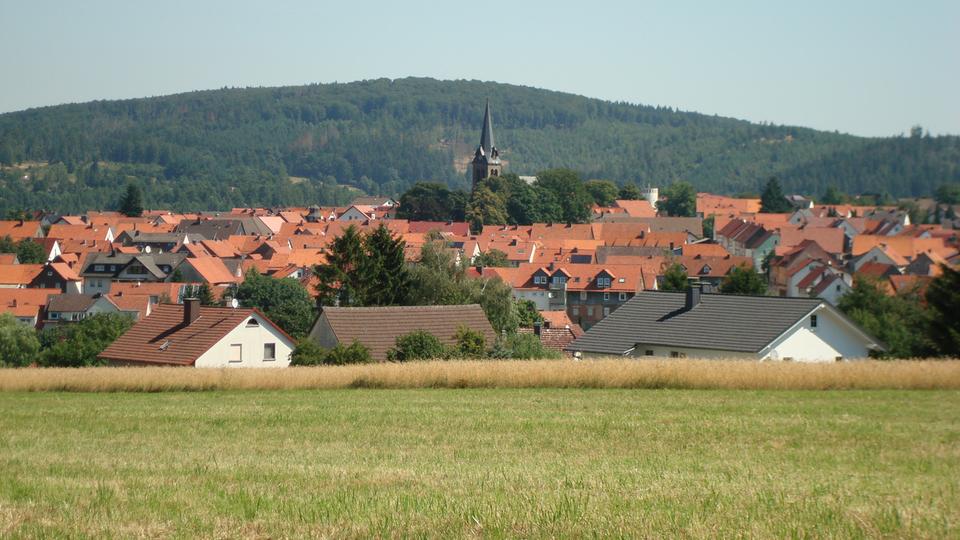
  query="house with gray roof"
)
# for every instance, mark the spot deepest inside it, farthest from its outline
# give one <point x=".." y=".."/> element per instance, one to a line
<point x="699" y="325"/>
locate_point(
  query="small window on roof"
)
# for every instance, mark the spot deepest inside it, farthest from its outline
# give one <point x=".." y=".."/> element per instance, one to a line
<point x="165" y="345"/>
<point x="621" y="280"/>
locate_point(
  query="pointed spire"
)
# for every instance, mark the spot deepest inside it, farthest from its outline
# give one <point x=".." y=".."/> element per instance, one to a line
<point x="486" y="136"/>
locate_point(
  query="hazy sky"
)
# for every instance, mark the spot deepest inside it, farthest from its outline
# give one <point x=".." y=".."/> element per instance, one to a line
<point x="871" y="67"/>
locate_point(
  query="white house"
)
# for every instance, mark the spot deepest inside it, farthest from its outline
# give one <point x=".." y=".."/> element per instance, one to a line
<point x="698" y="325"/>
<point x="202" y="336"/>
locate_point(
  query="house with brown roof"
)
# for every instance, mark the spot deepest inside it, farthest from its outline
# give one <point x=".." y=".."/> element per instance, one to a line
<point x="26" y="305"/>
<point x="66" y="308"/>
<point x="377" y="328"/>
<point x="189" y="334"/>
<point x="58" y="275"/>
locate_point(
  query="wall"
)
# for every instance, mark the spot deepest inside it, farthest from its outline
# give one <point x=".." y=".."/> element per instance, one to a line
<point x="831" y="338"/>
<point x="322" y="333"/>
<point x="662" y="351"/>
<point x="252" y="340"/>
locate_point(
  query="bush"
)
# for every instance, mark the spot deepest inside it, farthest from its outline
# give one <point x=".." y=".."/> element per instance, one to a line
<point x="78" y="344"/>
<point x="309" y="353"/>
<point x="19" y="345"/>
<point x="417" y="345"/>
<point x="522" y="347"/>
<point x="355" y="353"/>
<point x="470" y="343"/>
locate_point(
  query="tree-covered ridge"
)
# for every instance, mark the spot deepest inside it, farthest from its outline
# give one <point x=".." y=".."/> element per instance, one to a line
<point x="321" y="143"/>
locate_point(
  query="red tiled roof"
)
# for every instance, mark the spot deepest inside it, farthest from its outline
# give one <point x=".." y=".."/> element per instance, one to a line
<point x="19" y="274"/>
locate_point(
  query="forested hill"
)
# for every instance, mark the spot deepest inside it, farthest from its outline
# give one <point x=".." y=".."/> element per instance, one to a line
<point x="322" y="143"/>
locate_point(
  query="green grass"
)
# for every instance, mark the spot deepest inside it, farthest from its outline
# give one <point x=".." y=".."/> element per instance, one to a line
<point x="497" y="463"/>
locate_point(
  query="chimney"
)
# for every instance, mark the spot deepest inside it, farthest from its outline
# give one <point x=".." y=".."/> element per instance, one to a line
<point x="191" y="310"/>
<point x="694" y="290"/>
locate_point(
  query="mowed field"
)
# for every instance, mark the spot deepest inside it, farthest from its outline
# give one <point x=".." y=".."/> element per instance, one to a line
<point x="486" y="462"/>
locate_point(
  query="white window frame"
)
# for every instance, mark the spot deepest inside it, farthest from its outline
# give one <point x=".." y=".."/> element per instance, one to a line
<point x="239" y="349"/>
<point x="273" y="349"/>
<point x="622" y="297"/>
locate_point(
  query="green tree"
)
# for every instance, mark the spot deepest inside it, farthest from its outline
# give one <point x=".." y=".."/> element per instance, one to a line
<point x="527" y="313"/>
<point x="772" y="200"/>
<point x="630" y="192"/>
<point x="943" y="299"/>
<point x="7" y="245"/>
<point x="948" y="193"/>
<point x="674" y="279"/>
<point x="743" y="280"/>
<point x="427" y="201"/>
<point x="131" y="204"/>
<point x="284" y="301"/>
<point x="30" y="252"/>
<point x="19" y="345"/>
<point x="385" y="265"/>
<point x="493" y="258"/>
<point x="899" y="321"/>
<point x="681" y="200"/>
<point x="78" y="344"/>
<point x="833" y="196"/>
<point x="523" y="347"/>
<point x="708" y="226"/>
<point x="417" y="345"/>
<point x="205" y="294"/>
<point x="343" y="280"/>
<point x="570" y="193"/>
<point x="486" y="208"/>
<point x="470" y="343"/>
<point x="603" y="192"/>
<point x="176" y="276"/>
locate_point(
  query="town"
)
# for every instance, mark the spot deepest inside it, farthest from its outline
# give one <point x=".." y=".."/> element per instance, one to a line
<point x="678" y="265"/>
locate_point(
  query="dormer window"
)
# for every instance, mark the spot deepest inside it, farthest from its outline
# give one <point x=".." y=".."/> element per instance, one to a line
<point x="603" y="281"/>
<point x="559" y="280"/>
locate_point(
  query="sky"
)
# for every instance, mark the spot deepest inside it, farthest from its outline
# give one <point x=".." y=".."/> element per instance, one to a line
<point x="871" y="68"/>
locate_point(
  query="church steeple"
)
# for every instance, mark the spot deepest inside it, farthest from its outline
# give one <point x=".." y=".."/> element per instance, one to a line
<point x="486" y="160"/>
<point x="486" y="136"/>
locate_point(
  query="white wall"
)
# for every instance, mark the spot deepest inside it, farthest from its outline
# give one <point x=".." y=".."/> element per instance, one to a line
<point x="539" y="297"/>
<point x="831" y="338"/>
<point x="251" y="339"/>
<point x="662" y="351"/>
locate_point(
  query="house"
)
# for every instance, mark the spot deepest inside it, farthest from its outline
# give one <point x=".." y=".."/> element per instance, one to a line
<point x="377" y="328"/>
<point x="18" y="276"/>
<point x="748" y="239"/>
<point x="555" y="332"/>
<point x="202" y="336"/>
<point x="699" y="325"/>
<point x="58" y="275"/>
<point x="19" y="230"/>
<point x="26" y="305"/>
<point x="76" y="307"/>
<point x="101" y="269"/>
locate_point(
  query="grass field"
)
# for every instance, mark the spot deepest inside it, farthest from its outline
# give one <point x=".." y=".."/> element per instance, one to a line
<point x="481" y="462"/>
<point x="619" y="373"/>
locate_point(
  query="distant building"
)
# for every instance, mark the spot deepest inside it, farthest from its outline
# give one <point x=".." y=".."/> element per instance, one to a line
<point x="486" y="160"/>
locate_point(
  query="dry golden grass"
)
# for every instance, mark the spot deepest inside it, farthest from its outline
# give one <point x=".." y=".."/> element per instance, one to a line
<point x="678" y="374"/>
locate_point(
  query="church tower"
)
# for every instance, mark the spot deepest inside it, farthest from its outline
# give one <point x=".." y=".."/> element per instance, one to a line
<point x="486" y="161"/>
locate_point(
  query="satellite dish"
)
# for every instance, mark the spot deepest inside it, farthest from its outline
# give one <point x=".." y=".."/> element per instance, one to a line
<point x="146" y="249"/>
<point x="234" y="303"/>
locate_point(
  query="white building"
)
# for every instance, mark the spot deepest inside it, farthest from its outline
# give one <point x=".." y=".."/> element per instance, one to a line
<point x="201" y="336"/>
<point x="697" y="325"/>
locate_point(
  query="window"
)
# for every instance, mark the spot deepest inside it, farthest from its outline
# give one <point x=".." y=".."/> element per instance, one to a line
<point x="98" y="268"/>
<point x="252" y="323"/>
<point x="648" y="352"/>
<point x="559" y="280"/>
<point x="54" y="315"/>
<point x="583" y="295"/>
<point x="575" y="310"/>
<point x="606" y="311"/>
<point x="540" y="280"/>
<point x="590" y="311"/>
<point x="674" y="354"/>
<point x="603" y="282"/>
<point x="623" y="296"/>
<point x="269" y="352"/>
<point x="813" y="321"/>
<point x="606" y="296"/>
<point x="236" y="353"/>
<point x="838" y="359"/>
